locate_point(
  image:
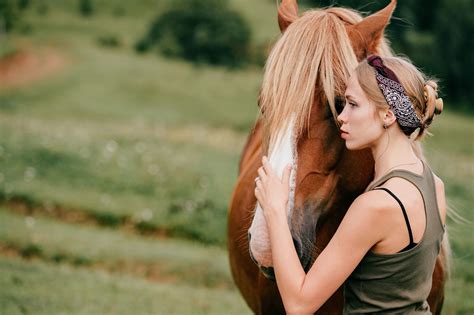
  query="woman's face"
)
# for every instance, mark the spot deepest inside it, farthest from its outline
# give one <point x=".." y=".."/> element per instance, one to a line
<point x="361" y="124"/>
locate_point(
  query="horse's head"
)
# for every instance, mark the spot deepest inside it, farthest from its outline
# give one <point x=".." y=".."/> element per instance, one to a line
<point x="302" y="91"/>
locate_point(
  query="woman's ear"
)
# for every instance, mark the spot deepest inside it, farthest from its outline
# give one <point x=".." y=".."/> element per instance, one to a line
<point x="388" y="117"/>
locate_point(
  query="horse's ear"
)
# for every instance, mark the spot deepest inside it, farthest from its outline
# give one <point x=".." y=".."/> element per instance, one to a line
<point x="287" y="13"/>
<point x="367" y="34"/>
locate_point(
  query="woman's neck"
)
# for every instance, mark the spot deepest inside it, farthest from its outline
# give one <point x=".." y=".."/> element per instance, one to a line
<point x="391" y="151"/>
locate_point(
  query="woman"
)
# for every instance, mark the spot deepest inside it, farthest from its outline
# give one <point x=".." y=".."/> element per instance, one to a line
<point x="386" y="245"/>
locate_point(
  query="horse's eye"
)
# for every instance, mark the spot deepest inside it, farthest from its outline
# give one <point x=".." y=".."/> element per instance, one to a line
<point x="339" y="102"/>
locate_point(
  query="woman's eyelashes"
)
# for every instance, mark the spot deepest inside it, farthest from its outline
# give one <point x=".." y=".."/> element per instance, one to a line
<point x="350" y="102"/>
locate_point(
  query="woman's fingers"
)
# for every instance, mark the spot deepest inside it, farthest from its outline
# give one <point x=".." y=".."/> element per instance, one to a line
<point x="259" y="192"/>
<point x="266" y="165"/>
<point x="261" y="173"/>
<point x="268" y="171"/>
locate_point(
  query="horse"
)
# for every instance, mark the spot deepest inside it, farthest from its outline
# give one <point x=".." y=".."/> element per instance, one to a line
<point x="301" y="94"/>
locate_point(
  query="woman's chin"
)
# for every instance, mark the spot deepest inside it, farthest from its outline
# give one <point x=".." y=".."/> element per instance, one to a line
<point x="353" y="146"/>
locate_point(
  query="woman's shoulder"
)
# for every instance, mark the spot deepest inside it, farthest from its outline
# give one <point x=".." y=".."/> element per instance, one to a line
<point x="373" y="211"/>
<point x="393" y="194"/>
<point x="381" y="205"/>
<point x="380" y="201"/>
<point x="375" y="202"/>
<point x="409" y="192"/>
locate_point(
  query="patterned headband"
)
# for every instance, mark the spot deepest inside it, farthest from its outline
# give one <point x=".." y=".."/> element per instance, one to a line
<point x="394" y="94"/>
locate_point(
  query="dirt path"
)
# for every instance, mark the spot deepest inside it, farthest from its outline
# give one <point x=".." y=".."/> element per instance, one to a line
<point x="27" y="65"/>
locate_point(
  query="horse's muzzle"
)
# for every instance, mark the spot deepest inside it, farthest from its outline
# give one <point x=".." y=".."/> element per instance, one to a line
<point x="269" y="272"/>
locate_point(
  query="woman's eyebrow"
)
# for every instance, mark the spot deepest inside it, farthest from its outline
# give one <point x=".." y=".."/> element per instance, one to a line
<point x="348" y="96"/>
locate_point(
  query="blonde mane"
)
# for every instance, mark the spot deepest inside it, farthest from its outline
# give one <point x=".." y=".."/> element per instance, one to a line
<point x="314" y="49"/>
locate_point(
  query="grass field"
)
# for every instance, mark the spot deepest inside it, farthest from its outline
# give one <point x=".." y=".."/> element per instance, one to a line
<point x="116" y="172"/>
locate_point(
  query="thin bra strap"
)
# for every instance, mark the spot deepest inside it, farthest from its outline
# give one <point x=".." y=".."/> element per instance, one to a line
<point x="403" y="209"/>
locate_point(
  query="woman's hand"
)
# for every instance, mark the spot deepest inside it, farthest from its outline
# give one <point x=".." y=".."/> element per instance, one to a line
<point x="272" y="192"/>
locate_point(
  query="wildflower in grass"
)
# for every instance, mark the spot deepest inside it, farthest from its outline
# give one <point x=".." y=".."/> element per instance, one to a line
<point x="30" y="173"/>
<point x="112" y="146"/>
<point x="153" y="169"/>
<point x="140" y="147"/>
<point x="105" y="199"/>
<point x="30" y="222"/>
<point x="146" y="215"/>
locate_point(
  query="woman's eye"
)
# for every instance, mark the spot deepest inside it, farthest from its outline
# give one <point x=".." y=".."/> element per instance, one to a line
<point x="353" y="104"/>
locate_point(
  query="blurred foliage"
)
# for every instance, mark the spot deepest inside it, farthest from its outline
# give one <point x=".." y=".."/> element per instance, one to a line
<point x="111" y="41"/>
<point x="23" y="4"/>
<point x="42" y="8"/>
<point x="9" y="15"/>
<point x="200" y="31"/>
<point x="31" y="250"/>
<point x="453" y="47"/>
<point x="86" y="8"/>
<point x="434" y="34"/>
<point x="7" y="48"/>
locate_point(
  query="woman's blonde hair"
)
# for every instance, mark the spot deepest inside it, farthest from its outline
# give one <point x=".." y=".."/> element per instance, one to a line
<point x="421" y="90"/>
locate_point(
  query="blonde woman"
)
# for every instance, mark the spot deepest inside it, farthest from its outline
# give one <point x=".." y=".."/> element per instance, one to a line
<point x="385" y="248"/>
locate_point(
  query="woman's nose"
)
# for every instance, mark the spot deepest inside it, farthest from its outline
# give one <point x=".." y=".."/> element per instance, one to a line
<point x="341" y="118"/>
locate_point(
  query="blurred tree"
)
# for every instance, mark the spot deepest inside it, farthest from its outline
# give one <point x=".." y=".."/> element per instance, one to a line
<point x="200" y="31"/>
<point x="435" y="34"/>
<point x="42" y="7"/>
<point x="404" y="17"/>
<point x="86" y="8"/>
<point x="23" y="4"/>
<point x="454" y="49"/>
<point x="110" y="41"/>
<point x="9" y="15"/>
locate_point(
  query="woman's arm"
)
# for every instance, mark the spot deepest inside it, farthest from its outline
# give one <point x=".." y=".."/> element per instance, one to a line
<point x="361" y="228"/>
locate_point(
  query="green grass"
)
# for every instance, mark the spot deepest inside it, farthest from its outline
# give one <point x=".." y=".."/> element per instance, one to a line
<point x="122" y="134"/>
<point x="7" y="48"/>
<point x="184" y="262"/>
<point x="123" y="171"/>
<point x="39" y="288"/>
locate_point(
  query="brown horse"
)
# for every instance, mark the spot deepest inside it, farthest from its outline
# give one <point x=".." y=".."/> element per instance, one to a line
<point x="304" y="80"/>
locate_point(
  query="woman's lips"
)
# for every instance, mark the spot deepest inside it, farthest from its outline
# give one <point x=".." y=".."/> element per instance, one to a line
<point x="344" y="134"/>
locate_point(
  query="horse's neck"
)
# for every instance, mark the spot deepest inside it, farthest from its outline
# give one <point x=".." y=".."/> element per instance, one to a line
<point x="252" y="149"/>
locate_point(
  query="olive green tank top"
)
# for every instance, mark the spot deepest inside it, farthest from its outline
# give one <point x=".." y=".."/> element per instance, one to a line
<point x="399" y="283"/>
